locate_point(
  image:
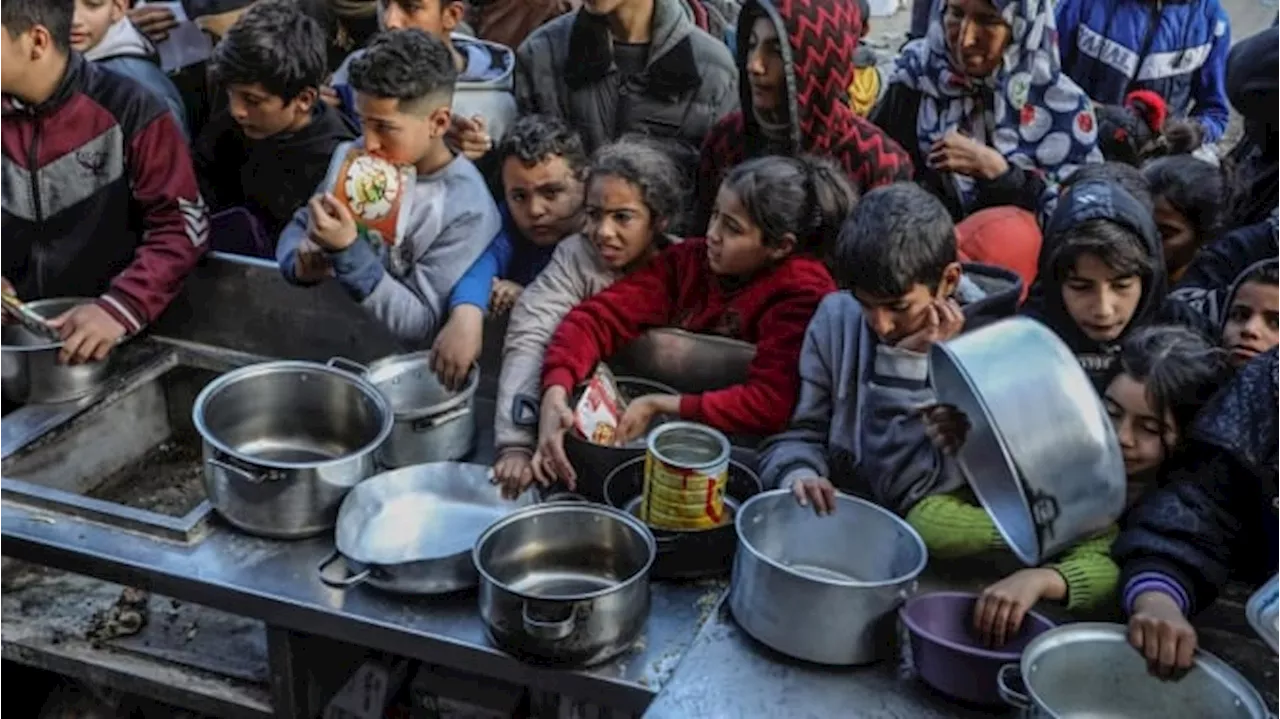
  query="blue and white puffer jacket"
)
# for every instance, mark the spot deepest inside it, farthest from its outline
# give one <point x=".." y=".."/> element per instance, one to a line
<point x="1177" y="48"/>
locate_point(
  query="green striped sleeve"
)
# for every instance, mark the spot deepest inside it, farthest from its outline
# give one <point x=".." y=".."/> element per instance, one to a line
<point x="1092" y="576"/>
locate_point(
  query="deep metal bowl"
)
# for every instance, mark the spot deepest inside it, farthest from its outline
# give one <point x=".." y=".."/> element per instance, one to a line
<point x="31" y="371"/>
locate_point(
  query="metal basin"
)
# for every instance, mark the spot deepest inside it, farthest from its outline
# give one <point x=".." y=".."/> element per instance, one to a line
<point x="31" y="371"/>
<point x="1041" y="454"/>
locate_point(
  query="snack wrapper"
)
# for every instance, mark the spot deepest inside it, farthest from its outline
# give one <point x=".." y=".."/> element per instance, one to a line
<point x="377" y="192"/>
<point x="600" y="408"/>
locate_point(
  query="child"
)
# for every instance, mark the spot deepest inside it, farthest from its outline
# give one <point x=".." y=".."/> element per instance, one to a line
<point x="270" y="147"/>
<point x="1166" y="373"/>
<point x="101" y="31"/>
<point x="109" y="205"/>
<point x="1215" y="518"/>
<point x="867" y="86"/>
<point x="482" y="95"/>
<point x="404" y="83"/>
<point x="864" y="368"/>
<point x="1191" y="200"/>
<point x="542" y="163"/>
<point x="1249" y="325"/>
<point x="756" y="277"/>
<point x="634" y="191"/>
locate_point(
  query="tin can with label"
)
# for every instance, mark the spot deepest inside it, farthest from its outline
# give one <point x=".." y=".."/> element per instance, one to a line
<point x="686" y="470"/>
<point x="1263" y="611"/>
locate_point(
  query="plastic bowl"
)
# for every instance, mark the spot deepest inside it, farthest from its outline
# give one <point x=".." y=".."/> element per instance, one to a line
<point x="948" y="653"/>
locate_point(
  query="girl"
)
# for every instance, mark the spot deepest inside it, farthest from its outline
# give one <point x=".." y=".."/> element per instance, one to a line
<point x="1166" y="373"/>
<point x="633" y="194"/>
<point x="757" y="277"/>
<point x="1191" y="197"/>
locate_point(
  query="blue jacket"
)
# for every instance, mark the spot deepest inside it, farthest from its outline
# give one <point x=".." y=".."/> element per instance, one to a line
<point x="1110" y="48"/>
<point x="509" y="257"/>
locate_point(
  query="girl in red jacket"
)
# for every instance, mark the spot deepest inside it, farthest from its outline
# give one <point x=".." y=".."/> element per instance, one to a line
<point x="757" y="277"/>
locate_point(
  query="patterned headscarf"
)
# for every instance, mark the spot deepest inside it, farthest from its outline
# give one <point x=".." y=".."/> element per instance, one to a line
<point x="1042" y="121"/>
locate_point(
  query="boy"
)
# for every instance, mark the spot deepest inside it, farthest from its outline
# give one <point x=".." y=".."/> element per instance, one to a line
<point x="864" y="367"/>
<point x="270" y="147"/>
<point x="403" y="84"/>
<point x="101" y="31"/>
<point x="483" y="104"/>
<point x="542" y="163"/>
<point x="100" y="199"/>
<point x="1251" y="323"/>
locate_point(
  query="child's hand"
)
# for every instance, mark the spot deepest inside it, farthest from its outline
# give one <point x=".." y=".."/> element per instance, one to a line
<point x="946" y="426"/>
<point x="330" y="96"/>
<point x="153" y="21"/>
<point x="966" y="156"/>
<point x="311" y="264"/>
<point x="514" y="471"/>
<point x="1000" y="609"/>
<point x="503" y="297"/>
<point x="458" y="346"/>
<point x="818" y="491"/>
<point x="331" y="225"/>
<point x="640" y="413"/>
<point x="88" y="333"/>
<point x="471" y="136"/>
<point x="1163" y="635"/>
<point x="550" y="461"/>
<point x="943" y="320"/>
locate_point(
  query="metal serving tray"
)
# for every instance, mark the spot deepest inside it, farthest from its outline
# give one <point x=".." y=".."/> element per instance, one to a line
<point x="1263" y="611"/>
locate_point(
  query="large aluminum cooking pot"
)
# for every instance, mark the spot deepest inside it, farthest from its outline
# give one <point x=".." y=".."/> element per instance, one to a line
<point x="822" y="588"/>
<point x="31" y="371"/>
<point x="1041" y="453"/>
<point x="566" y="582"/>
<point x="1089" y="670"/>
<point x="432" y="422"/>
<point x="285" y="441"/>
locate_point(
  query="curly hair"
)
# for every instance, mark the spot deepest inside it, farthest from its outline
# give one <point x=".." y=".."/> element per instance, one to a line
<point x="409" y="65"/>
<point x="534" y="138"/>
<point x="645" y="165"/>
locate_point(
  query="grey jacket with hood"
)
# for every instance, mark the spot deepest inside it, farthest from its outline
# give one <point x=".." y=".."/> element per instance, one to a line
<point x="856" y="422"/>
<point x="566" y="69"/>
<point x="125" y="51"/>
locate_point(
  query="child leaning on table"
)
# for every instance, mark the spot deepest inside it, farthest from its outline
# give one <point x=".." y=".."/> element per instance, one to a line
<point x="1165" y="374"/>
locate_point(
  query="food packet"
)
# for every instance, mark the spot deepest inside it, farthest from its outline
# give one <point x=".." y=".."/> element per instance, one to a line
<point x="600" y="408"/>
<point x="376" y="192"/>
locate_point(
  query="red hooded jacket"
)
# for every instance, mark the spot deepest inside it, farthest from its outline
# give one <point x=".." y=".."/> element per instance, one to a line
<point x="678" y="289"/>
<point x="818" y="66"/>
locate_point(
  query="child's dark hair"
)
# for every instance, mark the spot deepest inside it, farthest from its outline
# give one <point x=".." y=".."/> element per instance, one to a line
<point x="1178" y="367"/>
<point x="1265" y="274"/>
<point x="1115" y="245"/>
<point x="1198" y="190"/>
<point x="805" y="196"/>
<point x="898" y="237"/>
<point x="273" y="44"/>
<point x="644" y="165"/>
<point x="409" y="65"/>
<point x="534" y="138"/>
<point x="19" y="16"/>
<point x="1128" y="177"/>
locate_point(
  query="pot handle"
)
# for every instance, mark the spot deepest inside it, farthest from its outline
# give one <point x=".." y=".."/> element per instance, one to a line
<point x="246" y="475"/>
<point x="553" y="630"/>
<point x="347" y="365"/>
<point x="1011" y="696"/>
<point x="525" y="411"/>
<point x="429" y="423"/>
<point x="346" y="583"/>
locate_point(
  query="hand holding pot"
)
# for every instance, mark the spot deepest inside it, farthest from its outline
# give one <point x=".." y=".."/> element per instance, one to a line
<point x="458" y="345"/>
<point x="1001" y="608"/>
<point x="946" y="426"/>
<point x="1159" y="630"/>
<point x="640" y="413"/>
<point x="818" y="491"/>
<point x="513" y="471"/>
<point x="88" y="333"/>
<point x="550" y="461"/>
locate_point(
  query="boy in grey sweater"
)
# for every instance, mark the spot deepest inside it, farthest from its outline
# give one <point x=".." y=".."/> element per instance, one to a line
<point x="404" y="85"/>
<point x="864" y="368"/>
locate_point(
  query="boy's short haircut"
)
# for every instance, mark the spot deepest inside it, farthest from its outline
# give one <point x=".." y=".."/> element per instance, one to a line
<point x="1128" y="177"/>
<point x="1115" y="245"/>
<point x="534" y="138"/>
<point x="409" y="65"/>
<point x="19" y="16"/>
<point x="273" y="44"/>
<point x="897" y="237"/>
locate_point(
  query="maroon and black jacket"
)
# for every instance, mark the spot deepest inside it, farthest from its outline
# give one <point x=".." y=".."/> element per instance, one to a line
<point x="99" y="196"/>
<point x="819" y="38"/>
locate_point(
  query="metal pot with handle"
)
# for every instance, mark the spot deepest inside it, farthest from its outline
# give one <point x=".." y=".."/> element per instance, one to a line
<point x="1089" y="669"/>
<point x="432" y="423"/>
<point x="31" y="370"/>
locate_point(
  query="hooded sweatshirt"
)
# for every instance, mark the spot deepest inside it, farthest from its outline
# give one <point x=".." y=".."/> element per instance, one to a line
<point x="820" y="38"/>
<point x="483" y="87"/>
<point x="124" y="50"/>
<point x="1252" y="87"/>
<point x="855" y="422"/>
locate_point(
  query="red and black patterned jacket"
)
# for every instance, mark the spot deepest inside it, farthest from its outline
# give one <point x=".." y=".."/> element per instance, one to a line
<point x="99" y="197"/>
<point x="819" y="38"/>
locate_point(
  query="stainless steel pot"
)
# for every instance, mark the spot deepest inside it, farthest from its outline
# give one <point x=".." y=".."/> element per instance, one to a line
<point x="285" y="441"/>
<point x="1041" y="453"/>
<point x="566" y="582"/>
<point x="1089" y="669"/>
<point x="411" y="530"/>
<point x="822" y="589"/>
<point x="31" y="371"/>
<point x="432" y="423"/>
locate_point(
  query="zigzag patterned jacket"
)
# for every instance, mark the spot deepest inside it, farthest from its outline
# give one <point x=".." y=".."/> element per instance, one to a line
<point x="99" y="196"/>
<point x="818" y="66"/>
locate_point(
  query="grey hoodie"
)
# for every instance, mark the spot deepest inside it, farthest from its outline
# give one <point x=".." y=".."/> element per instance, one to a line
<point x="125" y="51"/>
<point x="855" y="422"/>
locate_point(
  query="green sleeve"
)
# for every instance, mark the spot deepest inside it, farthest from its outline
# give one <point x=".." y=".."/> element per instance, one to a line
<point x="1090" y="573"/>
<point x="952" y="527"/>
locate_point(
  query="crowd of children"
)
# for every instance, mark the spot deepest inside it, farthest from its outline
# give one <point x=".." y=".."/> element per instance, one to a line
<point x="596" y="170"/>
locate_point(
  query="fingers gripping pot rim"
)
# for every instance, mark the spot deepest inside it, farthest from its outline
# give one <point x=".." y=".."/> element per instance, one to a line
<point x="685" y="475"/>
